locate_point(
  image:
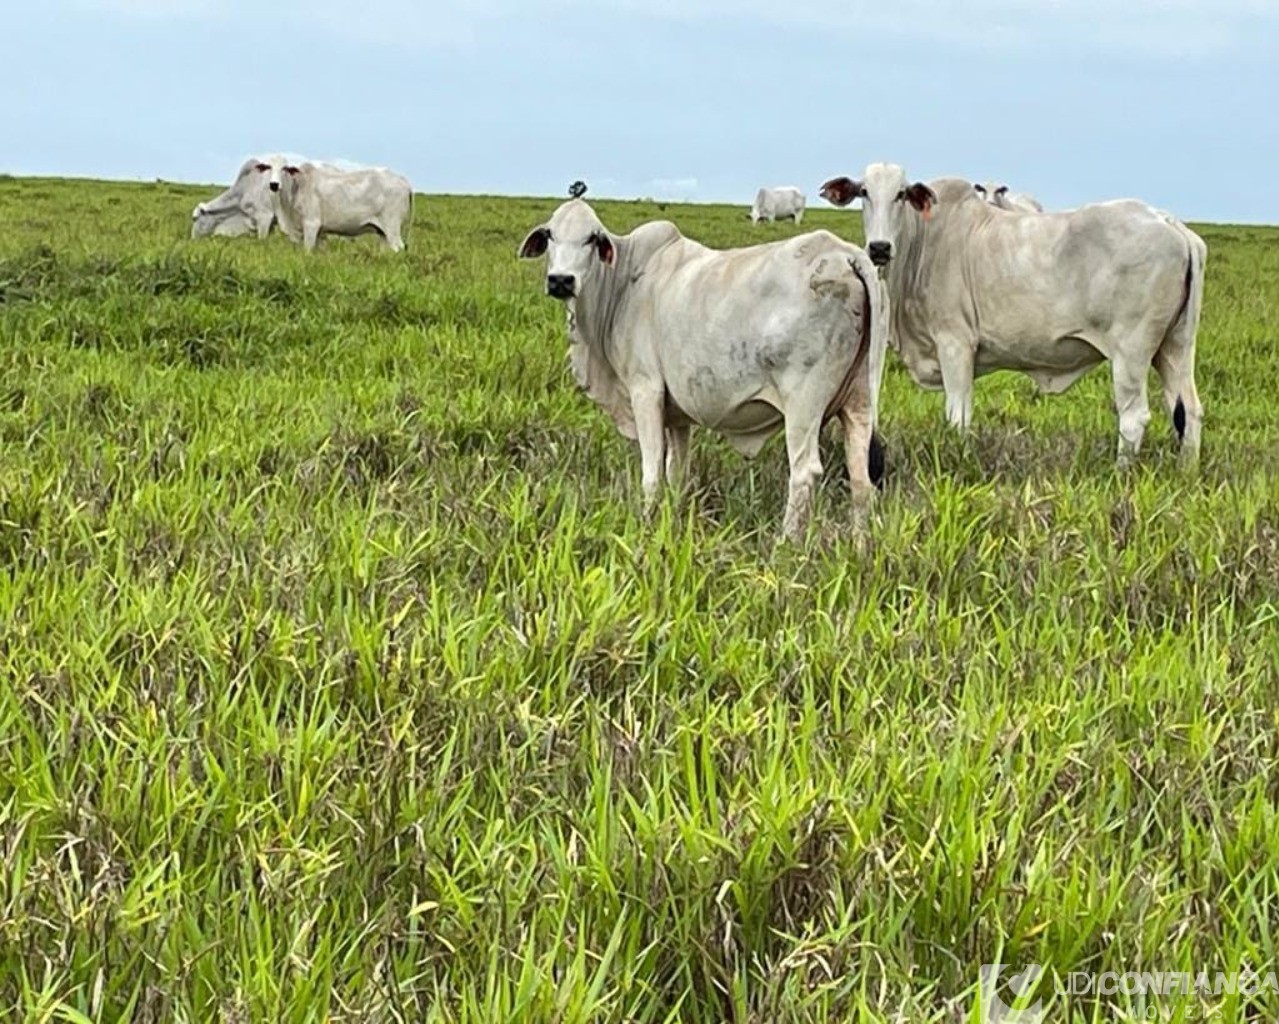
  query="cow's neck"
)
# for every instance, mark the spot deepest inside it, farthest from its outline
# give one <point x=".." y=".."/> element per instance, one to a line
<point x="593" y="315"/>
<point x="908" y="265"/>
<point x="592" y="312"/>
<point x="228" y="200"/>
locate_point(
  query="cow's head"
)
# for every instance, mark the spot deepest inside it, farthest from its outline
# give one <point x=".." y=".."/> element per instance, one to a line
<point x="255" y="173"/>
<point x="888" y="199"/>
<point x="990" y="192"/>
<point x="282" y="172"/>
<point x="576" y="247"/>
<point x="202" y="223"/>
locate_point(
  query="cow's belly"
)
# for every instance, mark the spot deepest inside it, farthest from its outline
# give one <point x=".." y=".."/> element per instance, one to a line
<point x="920" y="357"/>
<point x="1061" y="357"/>
<point x="749" y="418"/>
<point x="731" y="410"/>
<point x="348" y="226"/>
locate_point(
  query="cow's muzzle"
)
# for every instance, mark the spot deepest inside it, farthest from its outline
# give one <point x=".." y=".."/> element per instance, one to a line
<point x="275" y="186"/>
<point x="561" y="286"/>
<point x="880" y="253"/>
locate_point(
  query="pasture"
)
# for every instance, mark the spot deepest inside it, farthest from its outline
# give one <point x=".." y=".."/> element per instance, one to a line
<point x="340" y="679"/>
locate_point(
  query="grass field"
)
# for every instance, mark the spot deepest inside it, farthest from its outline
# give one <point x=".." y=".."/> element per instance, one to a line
<point x="341" y="681"/>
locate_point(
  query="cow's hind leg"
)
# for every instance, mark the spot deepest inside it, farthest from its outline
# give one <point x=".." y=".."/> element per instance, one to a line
<point x="391" y="236"/>
<point x="802" y="434"/>
<point x="859" y="454"/>
<point x="677" y="456"/>
<point x="1175" y="364"/>
<point x="1129" y="377"/>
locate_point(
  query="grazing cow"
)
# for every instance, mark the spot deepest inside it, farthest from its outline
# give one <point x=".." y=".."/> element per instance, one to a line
<point x="577" y="190"/>
<point x="665" y="333"/>
<point x="315" y="199"/>
<point x="231" y="224"/>
<point x="246" y="206"/>
<point x="778" y="204"/>
<point x="999" y="196"/>
<point x="973" y="290"/>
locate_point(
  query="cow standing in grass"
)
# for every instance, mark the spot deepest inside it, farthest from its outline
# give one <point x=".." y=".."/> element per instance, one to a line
<point x="665" y="333"/>
<point x="247" y="206"/>
<point x="315" y="199"/>
<point x="975" y="289"/>
<point x="999" y="196"/>
<point x="778" y="204"/>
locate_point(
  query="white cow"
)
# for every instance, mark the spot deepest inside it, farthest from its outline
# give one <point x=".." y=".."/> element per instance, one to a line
<point x="778" y="204"/>
<point x="315" y="199"/>
<point x="247" y="206"/>
<point x="1050" y="294"/>
<point x="665" y="333"/>
<point x="999" y="196"/>
<point x="231" y="224"/>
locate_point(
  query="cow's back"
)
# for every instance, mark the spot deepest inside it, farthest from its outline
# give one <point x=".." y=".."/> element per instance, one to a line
<point x="1025" y="283"/>
<point x="735" y="330"/>
<point x="346" y="198"/>
<point x="687" y="275"/>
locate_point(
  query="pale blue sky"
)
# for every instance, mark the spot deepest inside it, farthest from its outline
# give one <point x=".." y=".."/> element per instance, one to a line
<point x="1072" y="100"/>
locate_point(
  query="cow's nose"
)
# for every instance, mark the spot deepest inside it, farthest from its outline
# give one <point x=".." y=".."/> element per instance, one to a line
<point x="560" y="286"/>
<point x="880" y="252"/>
<point x="275" y="186"/>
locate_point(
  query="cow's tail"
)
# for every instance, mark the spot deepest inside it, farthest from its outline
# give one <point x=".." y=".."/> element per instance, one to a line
<point x="874" y="343"/>
<point x="1175" y="359"/>
<point x="406" y="227"/>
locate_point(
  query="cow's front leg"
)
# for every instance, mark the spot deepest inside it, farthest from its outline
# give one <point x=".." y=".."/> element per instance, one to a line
<point x="648" y="405"/>
<point x="956" y="360"/>
<point x="310" y="235"/>
<point x="677" y="456"/>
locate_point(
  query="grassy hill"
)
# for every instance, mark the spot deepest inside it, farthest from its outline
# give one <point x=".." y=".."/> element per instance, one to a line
<point x="341" y="681"/>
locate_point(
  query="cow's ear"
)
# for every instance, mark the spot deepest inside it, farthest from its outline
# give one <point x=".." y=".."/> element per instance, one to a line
<point x="535" y="244"/>
<point x="841" y="191"/>
<point x="604" y="246"/>
<point x="922" y="198"/>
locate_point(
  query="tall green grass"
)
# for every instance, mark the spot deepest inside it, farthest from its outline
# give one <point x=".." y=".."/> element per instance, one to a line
<point x="341" y="681"/>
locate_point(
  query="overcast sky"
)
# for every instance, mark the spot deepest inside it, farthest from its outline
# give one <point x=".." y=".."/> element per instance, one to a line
<point x="1072" y="100"/>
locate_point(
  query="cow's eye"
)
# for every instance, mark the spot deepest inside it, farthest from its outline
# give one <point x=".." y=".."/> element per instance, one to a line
<point x="901" y="195"/>
<point x="592" y="239"/>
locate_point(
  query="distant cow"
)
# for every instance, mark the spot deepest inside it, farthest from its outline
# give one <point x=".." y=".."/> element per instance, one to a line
<point x="998" y="195"/>
<point x="232" y="224"/>
<point x="1052" y="295"/>
<point x="778" y="204"/>
<point x="247" y="206"/>
<point x="665" y="333"/>
<point x="577" y="190"/>
<point x="316" y="199"/>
